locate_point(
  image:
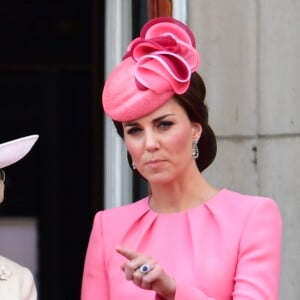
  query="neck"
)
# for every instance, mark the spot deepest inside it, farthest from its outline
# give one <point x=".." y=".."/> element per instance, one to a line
<point x="181" y="195"/>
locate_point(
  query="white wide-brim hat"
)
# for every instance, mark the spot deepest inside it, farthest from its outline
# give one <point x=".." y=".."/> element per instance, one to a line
<point x="13" y="151"/>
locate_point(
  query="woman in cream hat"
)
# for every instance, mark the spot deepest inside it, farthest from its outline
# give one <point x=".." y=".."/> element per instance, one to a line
<point x="16" y="281"/>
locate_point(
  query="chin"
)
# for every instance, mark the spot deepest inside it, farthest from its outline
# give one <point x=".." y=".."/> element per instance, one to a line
<point x="159" y="178"/>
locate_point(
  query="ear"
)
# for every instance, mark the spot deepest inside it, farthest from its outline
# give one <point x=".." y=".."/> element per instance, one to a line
<point x="196" y="130"/>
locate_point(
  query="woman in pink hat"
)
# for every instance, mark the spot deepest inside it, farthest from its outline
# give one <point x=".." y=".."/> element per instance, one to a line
<point x="16" y="281"/>
<point x="187" y="240"/>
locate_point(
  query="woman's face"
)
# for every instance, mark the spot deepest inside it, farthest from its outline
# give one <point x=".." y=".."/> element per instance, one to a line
<point x="160" y="144"/>
<point x="1" y="191"/>
<point x="2" y="179"/>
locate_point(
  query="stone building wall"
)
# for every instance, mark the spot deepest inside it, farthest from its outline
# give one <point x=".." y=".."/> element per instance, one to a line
<point x="251" y="65"/>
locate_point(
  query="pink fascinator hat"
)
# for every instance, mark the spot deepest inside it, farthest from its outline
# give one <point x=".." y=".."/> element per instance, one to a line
<point x="157" y="65"/>
<point x="13" y="151"/>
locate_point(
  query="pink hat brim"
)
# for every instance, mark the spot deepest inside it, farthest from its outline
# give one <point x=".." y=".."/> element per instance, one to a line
<point x="121" y="98"/>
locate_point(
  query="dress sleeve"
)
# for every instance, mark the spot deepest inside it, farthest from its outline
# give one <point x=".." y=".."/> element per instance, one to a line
<point x="28" y="287"/>
<point x="258" y="266"/>
<point x="94" y="281"/>
<point x="258" y="269"/>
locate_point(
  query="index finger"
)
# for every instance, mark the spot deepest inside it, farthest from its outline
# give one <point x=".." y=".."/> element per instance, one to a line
<point x="129" y="254"/>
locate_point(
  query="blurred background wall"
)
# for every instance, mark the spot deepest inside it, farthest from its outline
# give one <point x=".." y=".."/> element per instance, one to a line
<point x="251" y="65"/>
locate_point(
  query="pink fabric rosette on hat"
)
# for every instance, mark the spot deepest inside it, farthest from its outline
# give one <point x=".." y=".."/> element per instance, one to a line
<point x="158" y="64"/>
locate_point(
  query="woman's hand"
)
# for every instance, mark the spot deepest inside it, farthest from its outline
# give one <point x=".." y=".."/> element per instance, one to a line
<point x="150" y="277"/>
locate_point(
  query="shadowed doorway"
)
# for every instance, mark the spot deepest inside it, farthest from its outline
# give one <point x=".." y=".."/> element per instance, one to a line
<point x="51" y="67"/>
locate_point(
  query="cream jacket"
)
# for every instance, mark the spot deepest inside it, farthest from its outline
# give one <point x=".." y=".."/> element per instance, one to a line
<point x="16" y="281"/>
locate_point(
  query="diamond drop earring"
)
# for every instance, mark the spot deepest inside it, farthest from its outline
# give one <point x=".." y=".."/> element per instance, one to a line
<point x="195" y="150"/>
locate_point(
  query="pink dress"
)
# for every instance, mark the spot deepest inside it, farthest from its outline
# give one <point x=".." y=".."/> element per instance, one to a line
<point x="227" y="248"/>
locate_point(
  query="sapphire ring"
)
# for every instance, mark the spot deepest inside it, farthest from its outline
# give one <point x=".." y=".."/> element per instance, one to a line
<point x="144" y="268"/>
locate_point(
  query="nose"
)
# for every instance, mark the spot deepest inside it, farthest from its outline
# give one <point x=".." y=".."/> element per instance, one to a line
<point x="151" y="141"/>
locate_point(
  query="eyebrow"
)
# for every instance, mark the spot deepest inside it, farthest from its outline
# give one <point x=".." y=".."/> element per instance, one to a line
<point x="156" y="120"/>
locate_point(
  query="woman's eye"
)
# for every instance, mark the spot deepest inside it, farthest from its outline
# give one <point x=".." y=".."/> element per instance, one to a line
<point x="133" y="130"/>
<point x="165" y="124"/>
